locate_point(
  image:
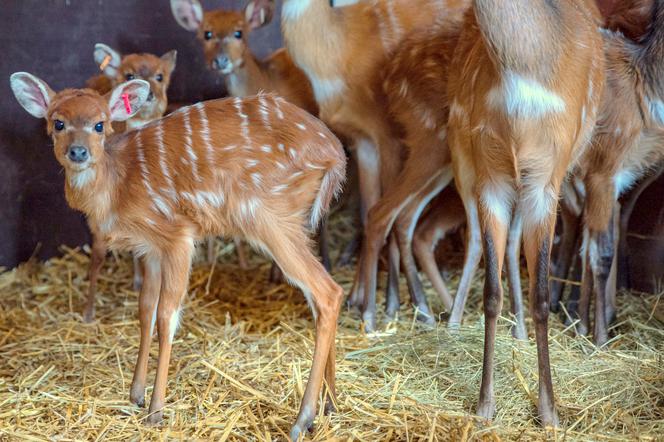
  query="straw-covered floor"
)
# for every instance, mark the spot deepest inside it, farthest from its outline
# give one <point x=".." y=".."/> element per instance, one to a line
<point x="243" y="352"/>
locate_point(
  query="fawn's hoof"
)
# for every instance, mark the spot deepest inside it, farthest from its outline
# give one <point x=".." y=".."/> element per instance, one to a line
<point x="369" y="320"/>
<point x="486" y="409"/>
<point x="89" y="315"/>
<point x="549" y="418"/>
<point x="155" y="418"/>
<point x="137" y="397"/>
<point x="301" y="427"/>
<point x="519" y="333"/>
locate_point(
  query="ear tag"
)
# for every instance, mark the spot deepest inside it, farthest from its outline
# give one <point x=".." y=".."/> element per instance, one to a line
<point x="105" y="62"/>
<point x="125" y="98"/>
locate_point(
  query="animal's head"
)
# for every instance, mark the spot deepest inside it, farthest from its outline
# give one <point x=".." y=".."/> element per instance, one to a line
<point x="155" y="70"/>
<point x="78" y="120"/>
<point x="223" y="34"/>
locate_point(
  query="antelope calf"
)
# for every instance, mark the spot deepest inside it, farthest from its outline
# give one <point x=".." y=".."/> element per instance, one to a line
<point x="259" y="168"/>
<point x="344" y="53"/>
<point x="524" y="89"/>
<point x="628" y="143"/>
<point x="117" y="69"/>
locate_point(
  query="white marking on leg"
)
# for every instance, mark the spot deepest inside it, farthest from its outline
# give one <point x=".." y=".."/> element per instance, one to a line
<point x="173" y="325"/>
<point x="497" y="198"/>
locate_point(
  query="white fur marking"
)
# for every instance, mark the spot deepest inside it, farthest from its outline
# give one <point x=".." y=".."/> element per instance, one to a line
<point x="173" y="325"/>
<point x="523" y="97"/>
<point x="78" y="180"/>
<point x="497" y="198"/>
<point x="188" y="144"/>
<point x="293" y="9"/>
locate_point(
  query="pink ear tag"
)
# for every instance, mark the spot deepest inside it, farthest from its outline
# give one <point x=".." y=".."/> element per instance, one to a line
<point x="125" y="98"/>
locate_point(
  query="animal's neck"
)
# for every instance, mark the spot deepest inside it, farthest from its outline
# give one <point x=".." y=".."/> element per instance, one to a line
<point x="93" y="190"/>
<point x="249" y="79"/>
<point x="314" y="33"/>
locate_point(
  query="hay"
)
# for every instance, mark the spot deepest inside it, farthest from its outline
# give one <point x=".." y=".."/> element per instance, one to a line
<point x="243" y="352"/>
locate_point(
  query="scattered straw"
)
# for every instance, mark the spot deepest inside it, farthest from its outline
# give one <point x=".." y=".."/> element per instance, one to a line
<point x="243" y="354"/>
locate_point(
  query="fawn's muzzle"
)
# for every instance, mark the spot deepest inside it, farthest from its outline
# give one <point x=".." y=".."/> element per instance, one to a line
<point x="221" y="63"/>
<point x="78" y="154"/>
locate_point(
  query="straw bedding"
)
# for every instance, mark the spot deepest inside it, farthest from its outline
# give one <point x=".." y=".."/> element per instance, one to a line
<point x="242" y="356"/>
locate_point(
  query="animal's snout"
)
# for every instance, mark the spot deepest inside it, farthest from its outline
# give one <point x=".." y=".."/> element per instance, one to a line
<point x="78" y="154"/>
<point x="151" y="95"/>
<point x="220" y="62"/>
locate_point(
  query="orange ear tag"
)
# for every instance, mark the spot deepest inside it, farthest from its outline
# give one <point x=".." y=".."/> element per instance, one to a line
<point x="105" y="63"/>
<point x="125" y="98"/>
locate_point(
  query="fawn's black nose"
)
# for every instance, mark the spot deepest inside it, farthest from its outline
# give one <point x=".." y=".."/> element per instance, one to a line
<point x="78" y="154"/>
<point x="221" y="62"/>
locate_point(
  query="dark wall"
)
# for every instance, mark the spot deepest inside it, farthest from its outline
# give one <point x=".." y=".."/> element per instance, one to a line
<point x="54" y="40"/>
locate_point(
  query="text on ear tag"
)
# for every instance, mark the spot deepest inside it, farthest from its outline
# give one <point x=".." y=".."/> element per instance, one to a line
<point x="125" y="98"/>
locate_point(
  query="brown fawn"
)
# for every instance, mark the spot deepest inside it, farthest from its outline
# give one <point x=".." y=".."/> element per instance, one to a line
<point x="258" y="167"/>
<point x="522" y="111"/>
<point x="224" y="35"/>
<point x="117" y="69"/>
<point x="343" y="51"/>
<point x="628" y="143"/>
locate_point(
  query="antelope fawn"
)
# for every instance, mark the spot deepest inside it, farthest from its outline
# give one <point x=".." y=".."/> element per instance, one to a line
<point x="343" y="51"/>
<point x="115" y="70"/>
<point x="522" y="110"/>
<point x="224" y="37"/>
<point x="628" y="143"/>
<point x="257" y="167"/>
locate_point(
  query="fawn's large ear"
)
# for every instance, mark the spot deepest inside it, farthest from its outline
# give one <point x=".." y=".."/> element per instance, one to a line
<point x="126" y="99"/>
<point x="32" y="93"/>
<point x="188" y="13"/>
<point x="169" y="59"/>
<point x="108" y="59"/>
<point x="340" y="3"/>
<point x="258" y="13"/>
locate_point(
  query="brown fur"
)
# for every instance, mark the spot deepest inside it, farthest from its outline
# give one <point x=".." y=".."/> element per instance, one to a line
<point x="259" y="168"/>
<point x="525" y="87"/>
<point x="344" y="53"/>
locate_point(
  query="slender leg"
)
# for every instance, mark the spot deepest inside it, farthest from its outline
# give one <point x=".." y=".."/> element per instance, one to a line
<point x="472" y="260"/>
<point x="575" y="290"/>
<point x="392" y="301"/>
<point x="514" y="277"/>
<point x="495" y="239"/>
<point x="538" y="237"/>
<point x="424" y="246"/>
<point x="583" y="326"/>
<point x="97" y="258"/>
<point x="138" y="274"/>
<point x="211" y="252"/>
<point x="147" y="315"/>
<point x="175" y="266"/>
<point x="350" y="250"/>
<point x="367" y="159"/>
<point x="571" y="221"/>
<point x="324" y="246"/>
<point x="405" y="227"/>
<point x="601" y="254"/>
<point x="324" y="297"/>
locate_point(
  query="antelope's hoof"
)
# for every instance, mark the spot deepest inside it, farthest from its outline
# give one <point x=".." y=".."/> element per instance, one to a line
<point x="137" y="397"/>
<point x="155" y="418"/>
<point x="486" y="409"/>
<point x="89" y="315"/>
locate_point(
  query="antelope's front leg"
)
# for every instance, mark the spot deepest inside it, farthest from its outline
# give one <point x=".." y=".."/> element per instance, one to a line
<point x="147" y="312"/>
<point x="175" y="266"/>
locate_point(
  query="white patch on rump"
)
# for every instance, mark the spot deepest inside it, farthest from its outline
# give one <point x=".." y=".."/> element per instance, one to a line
<point x="524" y="97"/>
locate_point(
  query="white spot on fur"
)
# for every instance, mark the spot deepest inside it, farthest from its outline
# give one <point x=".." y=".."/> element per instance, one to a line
<point x="280" y="165"/>
<point x="252" y="163"/>
<point x="292" y="152"/>
<point x="244" y="122"/>
<point x="173" y="325"/>
<point x="248" y="208"/>
<point x="657" y="110"/>
<point x="157" y="201"/>
<point x="188" y="144"/>
<point x="229" y="147"/>
<point x="277" y="107"/>
<point x="301" y="126"/>
<point x="281" y="146"/>
<point x="524" y="97"/>
<point x="205" y="133"/>
<point x="293" y="9"/>
<point x="106" y="225"/>
<point x="263" y="110"/>
<point x="267" y="149"/>
<point x="159" y="137"/>
<point x="324" y="89"/>
<point x="279" y="188"/>
<point x="256" y="178"/>
<point x="457" y="111"/>
<point x="78" y="180"/>
<point x="322" y="135"/>
<point x="622" y="181"/>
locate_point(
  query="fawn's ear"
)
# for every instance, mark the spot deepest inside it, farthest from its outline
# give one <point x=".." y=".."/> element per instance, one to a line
<point x="108" y="59"/>
<point x="126" y="99"/>
<point x="32" y="93"/>
<point x="169" y="59"/>
<point x="188" y="13"/>
<point x="340" y="3"/>
<point x="258" y="13"/>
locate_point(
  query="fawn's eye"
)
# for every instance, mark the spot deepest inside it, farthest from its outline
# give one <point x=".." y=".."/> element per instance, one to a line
<point x="58" y="125"/>
<point x="238" y="34"/>
<point x="208" y="35"/>
<point x="160" y="77"/>
<point x="129" y="77"/>
<point x="99" y="127"/>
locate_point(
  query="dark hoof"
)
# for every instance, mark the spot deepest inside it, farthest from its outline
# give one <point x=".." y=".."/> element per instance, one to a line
<point x="486" y="409"/>
<point x="155" y="418"/>
<point x="369" y="320"/>
<point x="89" y="315"/>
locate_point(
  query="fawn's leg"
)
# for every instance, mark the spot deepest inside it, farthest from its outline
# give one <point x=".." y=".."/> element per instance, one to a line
<point x="97" y="258"/>
<point x="138" y="274"/>
<point x="147" y="315"/>
<point x="514" y="277"/>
